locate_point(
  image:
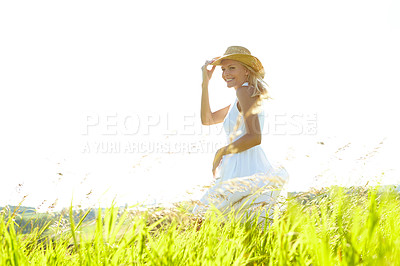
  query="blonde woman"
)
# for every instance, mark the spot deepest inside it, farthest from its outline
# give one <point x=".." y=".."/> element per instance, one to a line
<point x="242" y="164"/>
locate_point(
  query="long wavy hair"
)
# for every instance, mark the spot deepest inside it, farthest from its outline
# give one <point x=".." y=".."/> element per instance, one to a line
<point x="256" y="80"/>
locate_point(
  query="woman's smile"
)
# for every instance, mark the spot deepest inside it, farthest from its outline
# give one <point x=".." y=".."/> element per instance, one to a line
<point x="233" y="73"/>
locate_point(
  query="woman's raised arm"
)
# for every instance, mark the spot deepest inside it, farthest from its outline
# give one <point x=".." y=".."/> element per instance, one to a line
<point x="208" y="117"/>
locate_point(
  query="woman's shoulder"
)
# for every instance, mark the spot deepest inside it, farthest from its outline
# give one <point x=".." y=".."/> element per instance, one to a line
<point x="245" y="91"/>
<point x="245" y="96"/>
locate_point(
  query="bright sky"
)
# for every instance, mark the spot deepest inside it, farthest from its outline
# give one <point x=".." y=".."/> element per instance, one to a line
<point x="66" y="65"/>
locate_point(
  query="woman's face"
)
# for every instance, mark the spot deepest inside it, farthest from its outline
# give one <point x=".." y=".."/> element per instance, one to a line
<point x="233" y="73"/>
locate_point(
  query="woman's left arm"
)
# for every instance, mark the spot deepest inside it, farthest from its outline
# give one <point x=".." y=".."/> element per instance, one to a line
<point x="252" y="137"/>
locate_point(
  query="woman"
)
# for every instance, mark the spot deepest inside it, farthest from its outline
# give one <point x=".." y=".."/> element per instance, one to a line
<point x="245" y="177"/>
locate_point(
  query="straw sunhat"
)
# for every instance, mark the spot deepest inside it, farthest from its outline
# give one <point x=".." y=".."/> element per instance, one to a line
<point x="243" y="55"/>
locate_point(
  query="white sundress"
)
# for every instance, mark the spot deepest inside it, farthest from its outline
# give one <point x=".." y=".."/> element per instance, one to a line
<point x="245" y="179"/>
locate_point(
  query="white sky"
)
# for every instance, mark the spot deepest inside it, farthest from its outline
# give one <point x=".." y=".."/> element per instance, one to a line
<point x="63" y="61"/>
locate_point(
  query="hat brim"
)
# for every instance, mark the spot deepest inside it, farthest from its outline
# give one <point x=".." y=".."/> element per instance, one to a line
<point x="249" y="60"/>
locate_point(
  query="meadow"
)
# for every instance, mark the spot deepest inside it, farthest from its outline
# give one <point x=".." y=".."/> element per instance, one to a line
<point x="335" y="226"/>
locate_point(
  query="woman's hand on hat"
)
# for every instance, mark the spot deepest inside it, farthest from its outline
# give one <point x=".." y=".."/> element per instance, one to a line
<point x="207" y="74"/>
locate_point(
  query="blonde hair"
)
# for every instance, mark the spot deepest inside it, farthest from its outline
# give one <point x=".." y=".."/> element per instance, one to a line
<point x="256" y="81"/>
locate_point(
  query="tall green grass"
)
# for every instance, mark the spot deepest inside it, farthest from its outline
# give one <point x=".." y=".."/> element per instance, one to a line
<point x="333" y="227"/>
